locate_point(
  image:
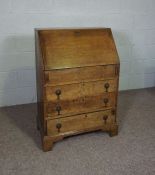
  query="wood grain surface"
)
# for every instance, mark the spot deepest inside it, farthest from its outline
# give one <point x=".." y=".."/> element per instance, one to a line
<point x="82" y="74"/>
<point x="78" y="48"/>
<point x="77" y="72"/>
<point x="80" y="122"/>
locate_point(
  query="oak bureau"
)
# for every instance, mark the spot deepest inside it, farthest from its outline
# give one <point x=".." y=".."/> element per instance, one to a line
<point x="77" y="82"/>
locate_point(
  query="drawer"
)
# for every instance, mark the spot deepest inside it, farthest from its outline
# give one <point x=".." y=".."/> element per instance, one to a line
<point x="81" y="74"/>
<point x="72" y="92"/>
<point x="57" y="109"/>
<point x="79" y="123"/>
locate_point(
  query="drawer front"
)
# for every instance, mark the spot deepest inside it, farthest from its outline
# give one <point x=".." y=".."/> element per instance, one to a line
<point x="79" y="98"/>
<point x="80" y="105"/>
<point x="76" y="91"/>
<point x="79" y="123"/>
<point x="83" y="74"/>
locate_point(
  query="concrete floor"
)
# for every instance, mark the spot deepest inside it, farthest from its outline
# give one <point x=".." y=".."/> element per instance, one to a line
<point x="132" y="152"/>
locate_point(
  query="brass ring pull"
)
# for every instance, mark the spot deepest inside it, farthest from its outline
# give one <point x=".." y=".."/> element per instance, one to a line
<point x="105" y="117"/>
<point x="106" y="86"/>
<point x="58" y="126"/>
<point x="106" y="101"/>
<point x="58" y="93"/>
<point x="58" y="109"/>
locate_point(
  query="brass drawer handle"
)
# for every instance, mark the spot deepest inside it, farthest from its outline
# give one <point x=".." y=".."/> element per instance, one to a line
<point x="105" y="117"/>
<point x="58" y="126"/>
<point x="58" y="109"/>
<point x="58" y="93"/>
<point x="106" y="101"/>
<point x="106" y="86"/>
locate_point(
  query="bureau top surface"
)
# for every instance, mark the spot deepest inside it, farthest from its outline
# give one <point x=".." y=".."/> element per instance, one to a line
<point x="69" y="48"/>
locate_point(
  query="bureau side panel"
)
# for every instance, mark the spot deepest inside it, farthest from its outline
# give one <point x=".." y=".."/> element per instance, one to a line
<point x="40" y="83"/>
<point x="117" y="89"/>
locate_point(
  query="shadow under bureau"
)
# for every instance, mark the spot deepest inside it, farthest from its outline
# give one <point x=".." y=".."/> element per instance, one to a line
<point x="77" y="82"/>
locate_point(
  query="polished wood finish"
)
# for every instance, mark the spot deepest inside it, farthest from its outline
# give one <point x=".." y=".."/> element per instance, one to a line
<point x="72" y="91"/>
<point x="77" y="82"/>
<point x="81" y="122"/>
<point x="82" y="74"/>
<point x="77" y="47"/>
<point x="80" y="105"/>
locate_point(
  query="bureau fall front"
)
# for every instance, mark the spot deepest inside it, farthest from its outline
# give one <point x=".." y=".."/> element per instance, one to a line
<point x="77" y="82"/>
